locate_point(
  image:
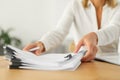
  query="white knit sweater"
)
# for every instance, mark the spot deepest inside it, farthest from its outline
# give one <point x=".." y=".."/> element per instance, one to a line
<point x="84" y="20"/>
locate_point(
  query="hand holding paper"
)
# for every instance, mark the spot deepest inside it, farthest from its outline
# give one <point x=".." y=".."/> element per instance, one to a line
<point x="90" y="41"/>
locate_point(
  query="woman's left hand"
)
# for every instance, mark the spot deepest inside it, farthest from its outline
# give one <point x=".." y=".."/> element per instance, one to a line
<point x="90" y="41"/>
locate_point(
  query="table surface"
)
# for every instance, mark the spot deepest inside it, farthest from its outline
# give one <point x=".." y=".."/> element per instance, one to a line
<point x="94" y="70"/>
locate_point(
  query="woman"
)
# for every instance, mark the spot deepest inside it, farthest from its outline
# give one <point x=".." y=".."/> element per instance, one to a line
<point x="96" y="24"/>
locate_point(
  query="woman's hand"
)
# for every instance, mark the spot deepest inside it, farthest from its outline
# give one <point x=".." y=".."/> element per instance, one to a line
<point x="34" y="45"/>
<point x="90" y="41"/>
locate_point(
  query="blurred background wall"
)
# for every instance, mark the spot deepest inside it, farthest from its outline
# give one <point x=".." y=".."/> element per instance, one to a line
<point x="31" y="18"/>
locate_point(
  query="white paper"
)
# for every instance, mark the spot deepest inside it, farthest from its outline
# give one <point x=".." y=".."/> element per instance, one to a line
<point x="52" y="61"/>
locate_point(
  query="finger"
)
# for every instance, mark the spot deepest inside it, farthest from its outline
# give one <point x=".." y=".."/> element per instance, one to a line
<point x="88" y="59"/>
<point x="93" y="54"/>
<point x="30" y="46"/>
<point x="86" y="56"/>
<point x="37" y="52"/>
<point x="78" y="46"/>
<point x="90" y="55"/>
<point x="89" y="52"/>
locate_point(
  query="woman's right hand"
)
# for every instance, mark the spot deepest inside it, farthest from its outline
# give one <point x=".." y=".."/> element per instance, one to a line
<point x="34" y="45"/>
<point x="90" y="41"/>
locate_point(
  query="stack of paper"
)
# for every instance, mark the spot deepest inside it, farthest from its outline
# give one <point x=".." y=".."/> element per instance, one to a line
<point x="52" y="61"/>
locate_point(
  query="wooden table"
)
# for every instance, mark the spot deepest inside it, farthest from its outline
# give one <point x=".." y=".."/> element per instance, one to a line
<point x="87" y="71"/>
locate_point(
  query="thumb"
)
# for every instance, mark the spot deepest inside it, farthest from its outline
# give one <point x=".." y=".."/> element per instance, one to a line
<point x="78" y="46"/>
<point x="39" y="51"/>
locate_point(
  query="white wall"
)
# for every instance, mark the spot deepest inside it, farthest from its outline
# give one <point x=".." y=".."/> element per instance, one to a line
<point x="30" y="18"/>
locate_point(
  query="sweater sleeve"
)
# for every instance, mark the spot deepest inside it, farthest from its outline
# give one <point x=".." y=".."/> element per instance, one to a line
<point x="111" y="32"/>
<point x="56" y="36"/>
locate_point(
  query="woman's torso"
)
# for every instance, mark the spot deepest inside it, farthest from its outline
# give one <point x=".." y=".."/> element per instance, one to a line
<point x="85" y="21"/>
